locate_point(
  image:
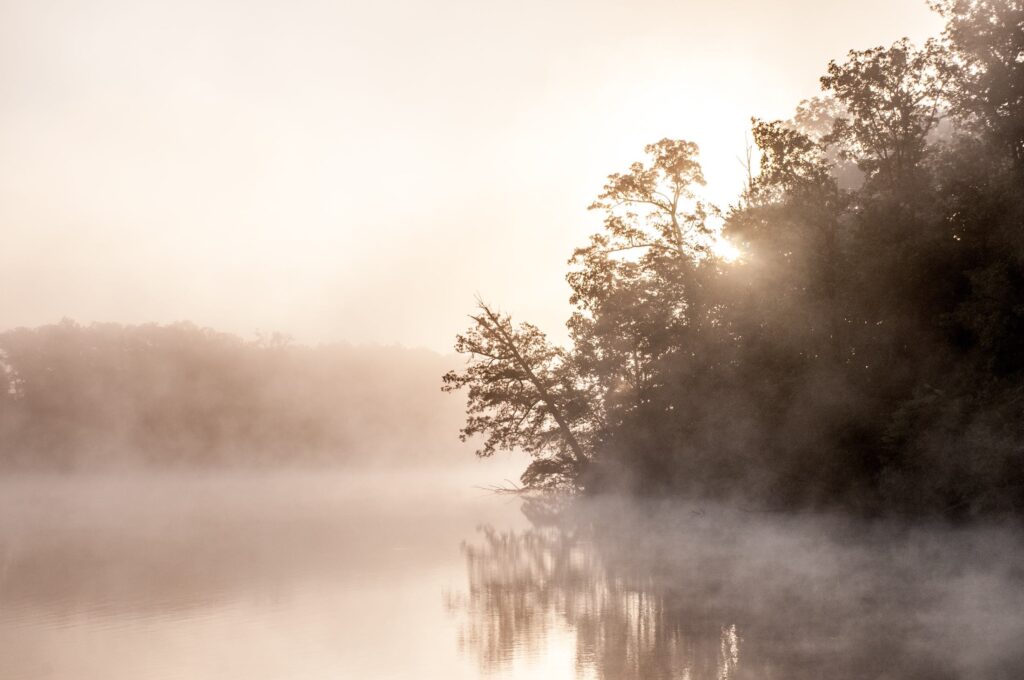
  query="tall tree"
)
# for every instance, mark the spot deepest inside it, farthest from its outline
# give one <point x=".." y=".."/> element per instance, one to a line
<point x="892" y="97"/>
<point x="986" y="39"/>
<point x="636" y="284"/>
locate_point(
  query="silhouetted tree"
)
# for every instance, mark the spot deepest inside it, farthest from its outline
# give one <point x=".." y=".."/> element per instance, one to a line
<point x="892" y="99"/>
<point x="865" y="350"/>
<point x="986" y="49"/>
<point x="523" y="393"/>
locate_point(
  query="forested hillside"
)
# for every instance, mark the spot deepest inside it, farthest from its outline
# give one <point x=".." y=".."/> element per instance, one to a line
<point x="87" y="397"/>
<point x="850" y="332"/>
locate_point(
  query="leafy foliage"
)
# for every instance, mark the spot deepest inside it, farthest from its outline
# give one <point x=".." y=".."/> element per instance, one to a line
<point x="985" y="41"/>
<point x="865" y="349"/>
<point x="893" y="98"/>
<point x="523" y="394"/>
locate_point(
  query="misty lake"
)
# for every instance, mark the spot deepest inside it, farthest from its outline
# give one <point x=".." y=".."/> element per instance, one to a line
<point x="377" y="575"/>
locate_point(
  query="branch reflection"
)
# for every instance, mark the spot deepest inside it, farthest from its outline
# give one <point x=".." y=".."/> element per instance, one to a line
<point x="664" y="592"/>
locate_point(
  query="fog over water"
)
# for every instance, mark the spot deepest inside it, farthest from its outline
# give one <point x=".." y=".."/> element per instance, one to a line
<point x="285" y="575"/>
<point x="373" y="575"/>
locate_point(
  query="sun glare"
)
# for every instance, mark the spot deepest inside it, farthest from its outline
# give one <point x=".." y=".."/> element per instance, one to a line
<point x="725" y="250"/>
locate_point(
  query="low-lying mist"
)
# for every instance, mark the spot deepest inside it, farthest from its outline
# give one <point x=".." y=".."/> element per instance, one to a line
<point x="360" y="574"/>
<point x="672" y="590"/>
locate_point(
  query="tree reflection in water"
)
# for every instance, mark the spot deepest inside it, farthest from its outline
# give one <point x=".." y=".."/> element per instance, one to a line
<point x="668" y="592"/>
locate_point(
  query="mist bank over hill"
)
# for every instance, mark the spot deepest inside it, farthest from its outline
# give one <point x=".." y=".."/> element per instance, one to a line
<point x="76" y="397"/>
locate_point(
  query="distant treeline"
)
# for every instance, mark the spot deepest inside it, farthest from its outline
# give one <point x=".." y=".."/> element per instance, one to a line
<point x="85" y="397"/>
<point x="850" y="332"/>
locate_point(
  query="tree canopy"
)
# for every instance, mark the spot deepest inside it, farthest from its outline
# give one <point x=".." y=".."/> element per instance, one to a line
<point x="865" y="348"/>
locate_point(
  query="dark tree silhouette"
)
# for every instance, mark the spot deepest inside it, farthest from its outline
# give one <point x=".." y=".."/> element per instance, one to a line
<point x="523" y="394"/>
<point x="865" y="350"/>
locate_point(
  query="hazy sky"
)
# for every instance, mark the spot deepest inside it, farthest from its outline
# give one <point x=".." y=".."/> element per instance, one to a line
<point x="359" y="170"/>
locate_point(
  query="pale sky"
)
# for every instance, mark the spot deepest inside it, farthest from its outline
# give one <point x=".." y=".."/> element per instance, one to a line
<point x="359" y="170"/>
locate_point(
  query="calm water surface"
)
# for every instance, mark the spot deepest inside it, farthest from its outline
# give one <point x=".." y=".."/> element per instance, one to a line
<point x="347" y="575"/>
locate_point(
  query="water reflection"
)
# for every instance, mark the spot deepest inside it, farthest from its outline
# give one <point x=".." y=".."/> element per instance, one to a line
<point x="674" y="592"/>
<point x="313" y="575"/>
<point x="255" y="576"/>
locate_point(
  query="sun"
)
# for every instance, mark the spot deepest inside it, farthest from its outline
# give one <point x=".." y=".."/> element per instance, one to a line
<point x="725" y="250"/>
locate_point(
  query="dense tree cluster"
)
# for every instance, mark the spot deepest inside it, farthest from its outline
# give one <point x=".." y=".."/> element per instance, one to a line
<point x="865" y="348"/>
<point x="85" y="397"/>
